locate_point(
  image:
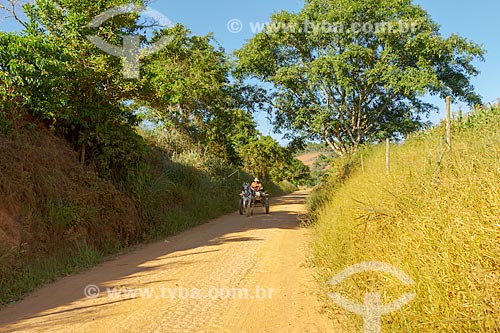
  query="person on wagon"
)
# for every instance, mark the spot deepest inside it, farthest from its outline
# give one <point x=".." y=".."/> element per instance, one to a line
<point x="257" y="186"/>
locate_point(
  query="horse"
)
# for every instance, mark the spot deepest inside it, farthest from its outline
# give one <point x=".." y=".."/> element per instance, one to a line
<point x="247" y="200"/>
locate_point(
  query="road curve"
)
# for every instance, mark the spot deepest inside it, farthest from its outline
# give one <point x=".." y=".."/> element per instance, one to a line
<point x="233" y="274"/>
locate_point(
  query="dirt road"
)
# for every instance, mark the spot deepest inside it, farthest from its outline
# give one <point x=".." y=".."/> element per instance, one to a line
<point x="234" y="274"/>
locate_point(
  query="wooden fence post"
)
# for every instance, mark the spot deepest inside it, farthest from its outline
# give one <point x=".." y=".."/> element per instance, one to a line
<point x="388" y="156"/>
<point x="448" y="122"/>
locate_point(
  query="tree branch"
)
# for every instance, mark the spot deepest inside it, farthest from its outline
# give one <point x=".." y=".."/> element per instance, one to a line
<point x="11" y="9"/>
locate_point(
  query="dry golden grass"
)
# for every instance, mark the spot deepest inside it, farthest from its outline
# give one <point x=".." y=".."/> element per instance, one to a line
<point x="436" y="217"/>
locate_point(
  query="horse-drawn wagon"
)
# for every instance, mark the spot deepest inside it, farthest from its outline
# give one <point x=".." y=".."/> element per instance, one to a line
<point x="249" y="198"/>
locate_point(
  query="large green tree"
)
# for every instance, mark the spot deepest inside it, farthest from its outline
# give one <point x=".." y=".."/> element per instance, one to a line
<point x="51" y="73"/>
<point x="189" y="91"/>
<point x="341" y="78"/>
<point x="264" y="157"/>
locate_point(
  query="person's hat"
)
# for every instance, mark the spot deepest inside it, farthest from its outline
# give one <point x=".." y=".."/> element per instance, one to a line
<point x="256" y="180"/>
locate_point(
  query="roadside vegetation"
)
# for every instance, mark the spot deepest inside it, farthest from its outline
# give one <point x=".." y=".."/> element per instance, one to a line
<point x="436" y="217"/>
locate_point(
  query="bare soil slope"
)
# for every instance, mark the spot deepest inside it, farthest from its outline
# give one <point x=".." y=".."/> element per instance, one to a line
<point x="47" y="198"/>
<point x="309" y="158"/>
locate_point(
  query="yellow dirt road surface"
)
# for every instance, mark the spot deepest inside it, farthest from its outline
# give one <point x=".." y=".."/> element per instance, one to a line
<point x="233" y="274"/>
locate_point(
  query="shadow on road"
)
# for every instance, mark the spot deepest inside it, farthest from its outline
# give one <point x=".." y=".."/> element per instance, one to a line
<point x="57" y="298"/>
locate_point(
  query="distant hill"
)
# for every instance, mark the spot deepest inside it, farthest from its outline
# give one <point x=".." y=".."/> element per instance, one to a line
<point x="316" y="156"/>
<point x="309" y="158"/>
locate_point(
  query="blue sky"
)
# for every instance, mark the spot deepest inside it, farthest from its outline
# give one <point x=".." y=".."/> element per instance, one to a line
<point x="474" y="20"/>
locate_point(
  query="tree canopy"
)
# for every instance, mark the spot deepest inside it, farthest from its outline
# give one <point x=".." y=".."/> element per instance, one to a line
<point x="51" y="74"/>
<point x="346" y="72"/>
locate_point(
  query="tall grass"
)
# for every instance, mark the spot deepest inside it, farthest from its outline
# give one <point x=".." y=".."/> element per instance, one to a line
<point x="436" y="217"/>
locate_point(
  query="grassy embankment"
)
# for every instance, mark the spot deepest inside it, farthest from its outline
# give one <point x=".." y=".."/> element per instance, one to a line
<point x="436" y="217"/>
<point x="57" y="217"/>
